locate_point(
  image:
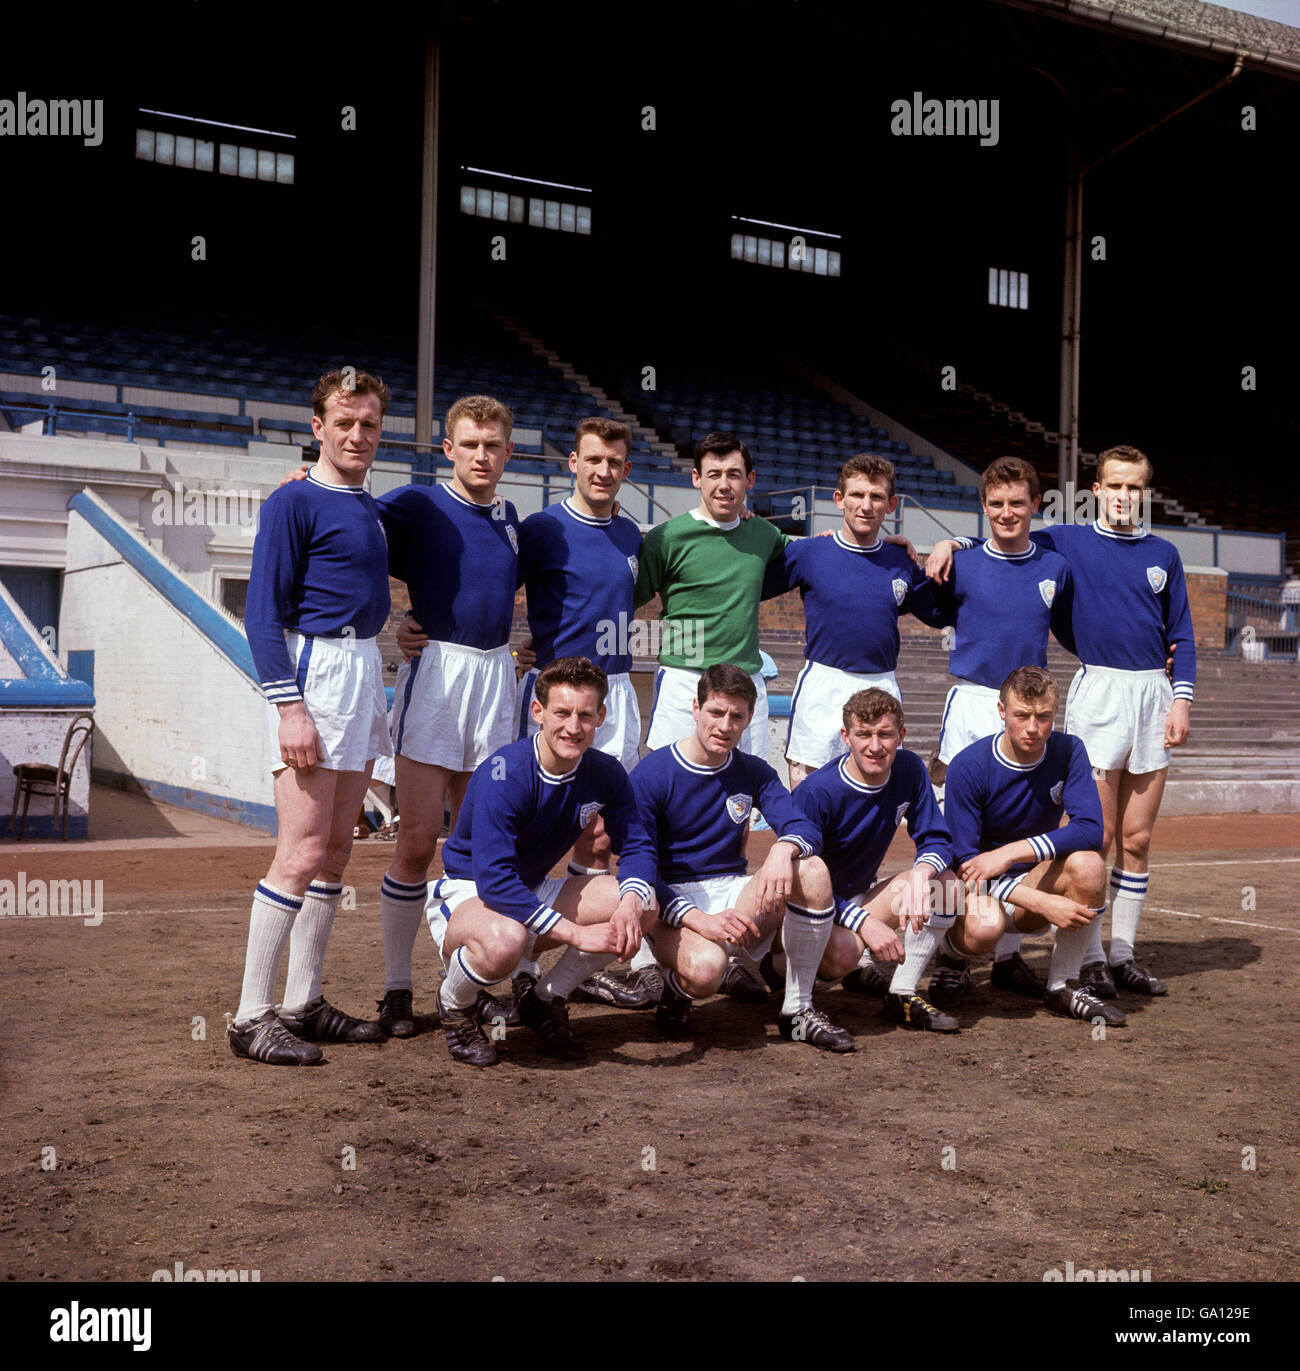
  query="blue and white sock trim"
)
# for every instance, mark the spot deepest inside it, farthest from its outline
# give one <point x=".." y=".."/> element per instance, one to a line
<point x="397" y="890"/>
<point x="670" y="975"/>
<point x="633" y="885"/>
<point x="278" y="897"/>
<point x="815" y="916"/>
<point x="1129" y="882"/>
<point x="324" y="890"/>
<point x="459" y="958"/>
<point x="676" y="911"/>
<point x="1184" y="690"/>
<point x="1044" y="847"/>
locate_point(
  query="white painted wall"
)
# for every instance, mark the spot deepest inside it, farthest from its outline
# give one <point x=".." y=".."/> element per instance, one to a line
<point x="171" y="709"/>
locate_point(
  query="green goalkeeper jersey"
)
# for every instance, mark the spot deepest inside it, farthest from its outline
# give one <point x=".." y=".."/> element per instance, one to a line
<point x="710" y="580"/>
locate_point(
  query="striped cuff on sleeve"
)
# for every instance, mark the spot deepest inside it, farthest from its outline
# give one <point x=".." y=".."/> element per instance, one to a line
<point x="931" y="859"/>
<point x="676" y="911"/>
<point x="804" y="849"/>
<point x="282" y="692"/>
<point x="634" y="886"/>
<point x="542" y="919"/>
<point x="1184" y="690"/>
<point x="850" y="916"/>
<point x="1044" y="847"/>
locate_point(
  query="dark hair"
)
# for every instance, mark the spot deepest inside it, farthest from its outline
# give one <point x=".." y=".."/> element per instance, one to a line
<point x="579" y="672"/>
<point x="1006" y="471"/>
<point x="1030" y="683"/>
<point x="608" y="430"/>
<point x="350" y="382"/>
<point x="726" y="679"/>
<point x="720" y="444"/>
<point x="869" y="465"/>
<point x="870" y="705"/>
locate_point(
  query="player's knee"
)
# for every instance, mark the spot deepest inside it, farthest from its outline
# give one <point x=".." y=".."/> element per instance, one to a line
<point x="812" y="883"/>
<point x="841" y="956"/>
<point x="500" y="946"/>
<point x="306" y="859"/>
<point x="984" y="923"/>
<point x="700" y="969"/>
<point x="417" y="842"/>
<point x="1086" y="872"/>
<point x="1137" y="840"/>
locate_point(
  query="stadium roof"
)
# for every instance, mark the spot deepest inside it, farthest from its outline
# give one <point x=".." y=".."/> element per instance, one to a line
<point x="1186" y="24"/>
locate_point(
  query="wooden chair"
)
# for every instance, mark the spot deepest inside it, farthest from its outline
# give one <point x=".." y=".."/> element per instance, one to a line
<point x="35" y="778"/>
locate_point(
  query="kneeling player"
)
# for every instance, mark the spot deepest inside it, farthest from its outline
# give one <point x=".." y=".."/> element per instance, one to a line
<point x="1004" y="801"/>
<point x="694" y="799"/>
<point x="525" y="806"/>
<point x="857" y="803"/>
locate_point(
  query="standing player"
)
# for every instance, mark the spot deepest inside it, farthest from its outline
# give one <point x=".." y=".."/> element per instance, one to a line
<point x="694" y="798"/>
<point x="1005" y="798"/>
<point x="456" y="546"/>
<point x="1130" y="611"/>
<point x="1004" y="596"/>
<point x="708" y="566"/>
<point x="855" y="585"/>
<point x="857" y="802"/>
<point x="317" y="598"/>
<point x="525" y="806"/>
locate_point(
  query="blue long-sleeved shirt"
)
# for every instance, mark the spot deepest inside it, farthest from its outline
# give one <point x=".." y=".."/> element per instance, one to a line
<point x="518" y="820"/>
<point x="697" y="817"/>
<point x="320" y="568"/>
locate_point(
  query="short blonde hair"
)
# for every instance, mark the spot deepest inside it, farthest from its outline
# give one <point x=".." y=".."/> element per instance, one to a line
<point x="478" y="409"/>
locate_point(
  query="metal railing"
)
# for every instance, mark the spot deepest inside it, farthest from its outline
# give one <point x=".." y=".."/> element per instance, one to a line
<point x="1259" y="625"/>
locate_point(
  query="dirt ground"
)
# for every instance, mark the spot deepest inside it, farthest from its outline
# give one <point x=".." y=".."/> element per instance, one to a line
<point x="998" y="1153"/>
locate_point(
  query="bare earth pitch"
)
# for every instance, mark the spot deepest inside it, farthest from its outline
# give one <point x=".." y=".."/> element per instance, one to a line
<point x="1006" y="1151"/>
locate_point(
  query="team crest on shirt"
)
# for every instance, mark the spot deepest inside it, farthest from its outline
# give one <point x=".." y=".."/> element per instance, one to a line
<point x="1057" y="792"/>
<point x="900" y="811"/>
<point x="738" y="807"/>
<point x="900" y="590"/>
<point x="635" y="565"/>
<point x="1156" y="578"/>
<point x="589" y="811"/>
<point x="514" y="540"/>
<point x="1047" y="589"/>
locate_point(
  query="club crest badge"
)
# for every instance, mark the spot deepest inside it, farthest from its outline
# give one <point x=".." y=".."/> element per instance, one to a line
<point x="738" y="808"/>
<point x="589" y="811"/>
<point x="900" y="590"/>
<point x="635" y="565"/>
<point x="1047" y="589"/>
<point x="514" y="540"/>
<point x="1156" y="578"/>
<point x="900" y="812"/>
<point x="1057" y="792"/>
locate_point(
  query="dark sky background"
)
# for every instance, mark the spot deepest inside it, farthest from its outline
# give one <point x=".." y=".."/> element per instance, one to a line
<point x="777" y="112"/>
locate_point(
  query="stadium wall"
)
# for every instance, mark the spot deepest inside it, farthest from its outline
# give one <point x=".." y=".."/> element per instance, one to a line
<point x="38" y="700"/>
<point x="181" y="716"/>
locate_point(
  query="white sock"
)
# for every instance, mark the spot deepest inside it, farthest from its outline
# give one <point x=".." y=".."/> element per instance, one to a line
<point x="1008" y="946"/>
<point x="866" y="959"/>
<point x="674" y="983"/>
<point x="310" y="933"/>
<point x="1068" y="953"/>
<point x="401" y="908"/>
<point x="919" y="948"/>
<point x="528" y="963"/>
<point x="269" y="924"/>
<point x="645" y="956"/>
<point x="1093" y="951"/>
<point x="1128" y="890"/>
<point x="570" y="971"/>
<point x="462" y="984"/>
<point x="804" y="935"/>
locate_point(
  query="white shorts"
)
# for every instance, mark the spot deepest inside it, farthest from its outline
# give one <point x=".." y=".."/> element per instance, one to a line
<point x="817" y="711"/>
<point x="445" y="894"/>
<point x="619" y="735"/>
<point x="716" y="893"/>
<point x="671" y="717"/>
<point x="1121" y="717"/>
<point x="969" y="714"/>
<point x="452" y="705"/>
<point x="342" y="684"/>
